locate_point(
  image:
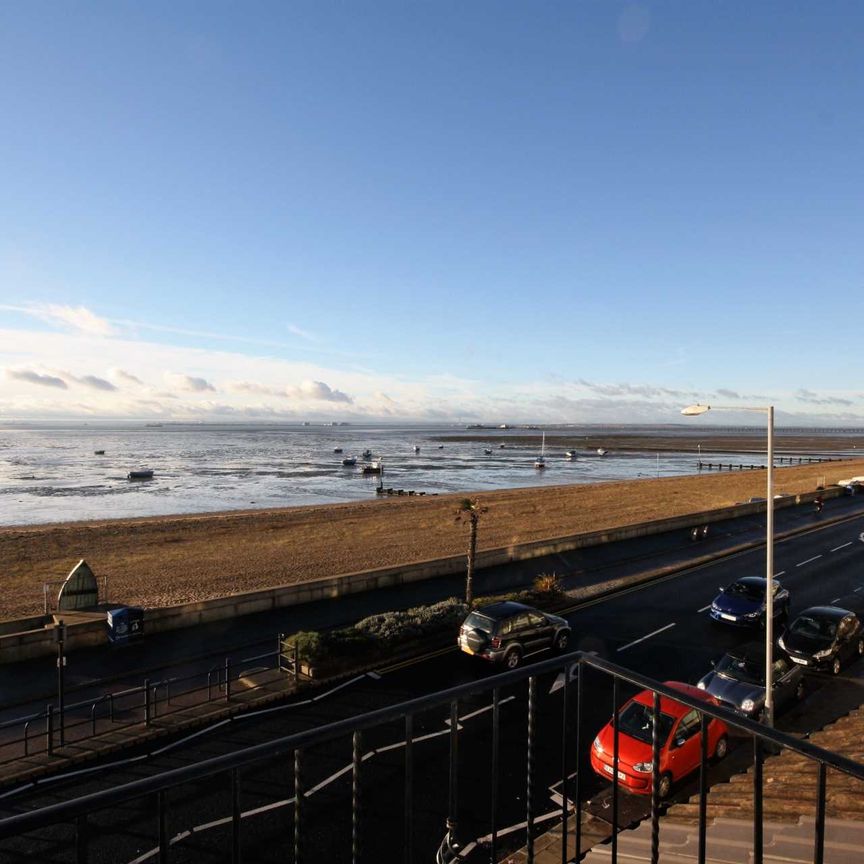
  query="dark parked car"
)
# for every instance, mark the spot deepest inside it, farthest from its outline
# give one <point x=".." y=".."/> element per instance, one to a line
<point x="738" y="680"/>
<point x="824" y="637"/>
<point x="743" y="602"/>
<point x="508" y="631"/>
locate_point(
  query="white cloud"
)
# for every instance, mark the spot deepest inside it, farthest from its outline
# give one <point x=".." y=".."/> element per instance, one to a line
<point x="77" y="318"/>
<point x="33" y="377"/>
<point x="95" y="383"/>
<point x="319" y="391"/>
<point x="303" y="334"/>
<point x="189" y="383"/>
<point x="126" y="377"/>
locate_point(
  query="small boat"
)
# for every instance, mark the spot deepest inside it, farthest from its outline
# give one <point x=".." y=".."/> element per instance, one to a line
<point x="366" y="454"/>
<point x="142" y="474"/>
<point x="540" y="461"/>
<point x="487" y="451"/>
<point x="337" y="449"/>
<point x="602" y="451"/>
<point x="501" y="446"/>
<point x="349" y="461"/>
<point x="440" y="446"/>
<point x="98" y="452"/>
<point x="416" y="448"/>
<point x="372" y="467"/>
<point x="571" y="455"/>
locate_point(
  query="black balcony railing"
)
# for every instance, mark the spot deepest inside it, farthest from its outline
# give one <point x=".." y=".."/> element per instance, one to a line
<point x="82" y="829"/>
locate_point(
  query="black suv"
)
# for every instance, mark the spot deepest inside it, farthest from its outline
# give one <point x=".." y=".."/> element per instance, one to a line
<point x="508" y="631"/>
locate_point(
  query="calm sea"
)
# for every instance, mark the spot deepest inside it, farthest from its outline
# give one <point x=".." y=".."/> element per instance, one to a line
<point x="50" y="473"/>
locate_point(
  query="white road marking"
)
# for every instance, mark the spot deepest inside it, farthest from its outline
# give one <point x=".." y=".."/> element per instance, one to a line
<point x="558" y="683"/>
<point x="802" y="563"/>
<point x="369" y="754"/>
<point x="859" y="589"/>
<point x="834" y="600"/>
<point x="838" y="548"/>
<point x="643" y="638"/>
<point x="781" y="573"/>
<point x="704" y="608"/>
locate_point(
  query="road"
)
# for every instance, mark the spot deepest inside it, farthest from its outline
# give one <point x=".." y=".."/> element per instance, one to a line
<point x="660" y="629"/>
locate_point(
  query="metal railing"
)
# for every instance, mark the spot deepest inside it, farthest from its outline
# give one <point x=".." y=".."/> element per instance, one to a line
<point x="155" y="697"/>
<point x="359" y="826"/>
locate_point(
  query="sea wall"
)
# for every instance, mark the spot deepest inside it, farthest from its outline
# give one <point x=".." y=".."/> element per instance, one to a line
<point x="41" y="640"/>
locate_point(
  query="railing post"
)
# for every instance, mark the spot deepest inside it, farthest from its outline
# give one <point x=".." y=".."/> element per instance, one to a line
<point x="493" y="792"/>
<point x="819" y="829"/>
<point x="615" y="770"/>
<point x="529" y="769"/>
<point x="227" y="679"/>
<point x="453" y="792"/>
<point x="655" y="778"/>
<point x="298" y="808"/>
<point x="564" y="759"/>
<point x="356" y="759"/>
<point x="757" y="800"/>
<point x="577" y="785"/>
<point x="147" y="706"/>
<point x="409" y="789"/>
<point x="703" y="786"/>
<point x="235" y="817"/>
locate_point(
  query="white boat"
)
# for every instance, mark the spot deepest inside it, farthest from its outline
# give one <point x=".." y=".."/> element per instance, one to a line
<point x="372" y="467"/>
<point x="540" y="461"/>
<point x="487" y="451"/>
<point x="337" y="449"/>
<point x="602" y="451"/>
<point x="416" y="448"/>
<point x="349" y="461"/>
<point x="571" y="454"/>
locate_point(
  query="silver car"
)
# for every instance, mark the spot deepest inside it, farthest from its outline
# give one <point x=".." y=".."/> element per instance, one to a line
<point x="738" y="681"/>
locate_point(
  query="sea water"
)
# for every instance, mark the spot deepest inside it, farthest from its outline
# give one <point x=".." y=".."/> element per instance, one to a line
<point x="49" y="472"/>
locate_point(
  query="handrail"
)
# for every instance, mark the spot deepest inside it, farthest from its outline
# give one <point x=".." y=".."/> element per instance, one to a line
<point x="69" y="810"/>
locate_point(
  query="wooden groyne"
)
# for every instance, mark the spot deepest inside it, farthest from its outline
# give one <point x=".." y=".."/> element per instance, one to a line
<point x="778" y="460"/>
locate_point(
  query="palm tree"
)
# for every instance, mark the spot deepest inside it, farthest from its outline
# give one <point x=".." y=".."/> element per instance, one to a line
<point x="470" y="510"/>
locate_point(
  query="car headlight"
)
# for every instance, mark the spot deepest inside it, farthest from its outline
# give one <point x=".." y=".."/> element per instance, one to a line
<point x="598" y="746"/>
<point x="748" y="705"/>
<point x="822" y="655"/>
<point x="701" y="685"/>
<point x="643" y="767"/>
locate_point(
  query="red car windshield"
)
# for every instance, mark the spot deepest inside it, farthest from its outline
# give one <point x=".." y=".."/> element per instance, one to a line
<point x="637" y="721"/>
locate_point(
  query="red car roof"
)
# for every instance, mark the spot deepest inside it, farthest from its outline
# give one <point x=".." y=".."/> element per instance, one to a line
<point x="670" y="706"/>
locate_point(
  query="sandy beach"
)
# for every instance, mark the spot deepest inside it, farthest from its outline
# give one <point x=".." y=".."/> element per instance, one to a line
<point x="167" y="560"/>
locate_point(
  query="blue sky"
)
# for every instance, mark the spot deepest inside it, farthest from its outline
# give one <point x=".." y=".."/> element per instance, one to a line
<point x="563" y="212"/>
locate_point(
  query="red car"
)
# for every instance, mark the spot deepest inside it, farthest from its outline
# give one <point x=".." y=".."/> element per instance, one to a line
<point x="679" y="736"/>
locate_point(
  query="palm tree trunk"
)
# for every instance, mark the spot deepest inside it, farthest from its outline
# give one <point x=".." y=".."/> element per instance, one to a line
<point x="472" y="551"/>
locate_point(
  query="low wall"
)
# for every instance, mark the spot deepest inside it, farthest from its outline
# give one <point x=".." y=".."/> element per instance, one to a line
<point x="41" y="642"/>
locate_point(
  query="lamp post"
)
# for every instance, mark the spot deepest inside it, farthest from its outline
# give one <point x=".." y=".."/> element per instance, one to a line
<point x="692" y="411"/>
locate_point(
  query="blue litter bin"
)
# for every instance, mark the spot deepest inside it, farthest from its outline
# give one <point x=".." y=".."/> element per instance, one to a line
<point x="125" y="623"/>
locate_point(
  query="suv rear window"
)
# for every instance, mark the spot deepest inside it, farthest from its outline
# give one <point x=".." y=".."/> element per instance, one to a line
<point x="476" y="621"/>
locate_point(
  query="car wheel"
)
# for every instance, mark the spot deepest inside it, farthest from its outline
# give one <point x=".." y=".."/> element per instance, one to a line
<point x="721" y="749"/>
<point x="835" y="666"/>
<point x="513" y="658"/>
<point x="664" y="787"/>
<point x="562" y="641"/>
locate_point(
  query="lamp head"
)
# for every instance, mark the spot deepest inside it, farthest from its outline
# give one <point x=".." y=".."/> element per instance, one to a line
<point x="695" y="410"/>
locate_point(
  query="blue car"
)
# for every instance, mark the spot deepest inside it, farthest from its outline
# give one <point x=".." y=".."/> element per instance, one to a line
<point x="742" y="604"/>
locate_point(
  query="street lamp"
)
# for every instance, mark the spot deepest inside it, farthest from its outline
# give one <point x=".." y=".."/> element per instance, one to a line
<point x="695" y="410"/>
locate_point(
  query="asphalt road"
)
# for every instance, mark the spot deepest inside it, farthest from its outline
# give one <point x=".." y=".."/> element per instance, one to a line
<point x="660" y="630"/>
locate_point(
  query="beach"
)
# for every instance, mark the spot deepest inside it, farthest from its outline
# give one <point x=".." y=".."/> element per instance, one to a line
<point x="160" y="561"/>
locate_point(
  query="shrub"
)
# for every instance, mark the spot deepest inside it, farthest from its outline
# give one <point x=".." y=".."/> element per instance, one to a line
<point x="548" y="585"/>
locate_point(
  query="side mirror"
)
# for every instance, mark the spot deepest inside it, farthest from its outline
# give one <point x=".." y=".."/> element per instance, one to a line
<point x="680" y="742"/>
